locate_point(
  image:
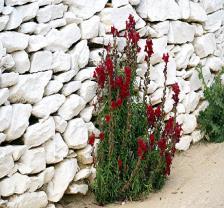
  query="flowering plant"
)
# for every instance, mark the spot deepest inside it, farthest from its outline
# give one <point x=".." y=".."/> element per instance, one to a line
<point x="137" y="143"/>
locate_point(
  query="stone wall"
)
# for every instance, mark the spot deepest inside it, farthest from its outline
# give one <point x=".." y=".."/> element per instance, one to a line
<point x="48" y="51"/>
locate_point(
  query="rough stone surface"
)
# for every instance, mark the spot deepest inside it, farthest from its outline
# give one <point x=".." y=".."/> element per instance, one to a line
<point x="39" y="133"/>
<point x="64" y="173"/>
<point x="76" y="134"/>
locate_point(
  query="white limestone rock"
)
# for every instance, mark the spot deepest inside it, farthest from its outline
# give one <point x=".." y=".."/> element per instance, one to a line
<point x="42" y="29"/>
<point x="86" y="8"/>
<point x="88" y="90"/>
<point x="22" y="62"/>
<point x="32" y="161"/>
<point x="36" y="42"/>
<point x="85" y="155"/>
<point x="16" y="184"/>
<point x="60" y="124"/>
<point x="197" y="14"/>
<point x="85" y="74"/>
<point x="134" y="2"/>
<point x="28" y="200"/>
<point x="28" y="11"/>
<point x="14" y="41"/>
<point x="4" y="94"/>
<point x="17" y="151"/>
<point x="71" y="107"/>
<point x="16" y="2"/>
<point x="39" y="133"/>
<point x="205" y="45"/>
<point x="53" y="87"/>
<point x="66" y="76"/>
<point x="182" y="58"/>
<point x="197" y="135"/>
<point x="214" y="63"/>
<point x="56" y="149"/>
<point x="90" y="28"/>
<point x="3" y="21"/>
<point x="184" y="143"/>
<point x="119" y="3"/>
<point x="191" y="101"/>
<point x="15" y="19"/>
<point x="86" y="113"/>
<point x="92" y="129"/>
<point x="8" y="79"/>
<point x="28" y="27"/>
<point x="71" y="87"/>
<point x="5" y="117"/>
<point x="180" y="32"/>
<point x="194" y="60"/>
<point x="82" y="174"/>
<point x="30" y="87"/>
<point x="70" y="17"/>
<point x="185" y="8"/>
<point x="61" y="61"/>
<point x="118" y="17"/>
<point x="50" y="12"/>
<point x="212" y="6"/>
<point x="80" y="55"/>
<point x="2" y="137"/>
<point x="48" y="105"/>
<point x="76" y="134"/>
<point x="64" y="174"/>
<point x="18" y="126"/>
<point x="77" y="189"/>
<point x="195" y="82"/>
<point x="160" y="29"/>
<point x="63" y="39"/>
<point x="159" y="10"/>
<point x="7" y="62"/>
<point x="189" y="122"/>
<point x="6" y="161"/>
<point x="41" y="61"/>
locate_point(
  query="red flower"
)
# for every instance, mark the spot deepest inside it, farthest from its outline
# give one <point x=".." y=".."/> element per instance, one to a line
<point x="176" y="90"/>
<point x="150" y="115"/>
<point x="177" y="131"/>
<point x="140" y="153"/>
<point x="151" y="140"/>
<point x="107" y="118"/>
<point x="100" y="76"/>
<point x="101" y="136"/>
<point x="113" y="104"/>
<point x="142" y="148"/>
<point x="162" y="145"/>
<point x="148" y="49"/>
<point x="169" y="128"/>
<point x="119" y="81"/>
<point x="119" y="102"/>
<point x="92" y="138"/>
<point x="166" y="58"/>
<point x="158" y="112"/>
<point x="119" y="162"/>
<point x="114" y="31"/>
<point x="130" y="23"/>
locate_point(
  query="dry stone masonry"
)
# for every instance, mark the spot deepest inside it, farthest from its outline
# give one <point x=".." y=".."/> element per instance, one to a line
<point x="48" y="51"/>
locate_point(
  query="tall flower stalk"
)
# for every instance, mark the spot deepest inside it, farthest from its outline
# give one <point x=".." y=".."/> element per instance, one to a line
<point x="137" y="144"/>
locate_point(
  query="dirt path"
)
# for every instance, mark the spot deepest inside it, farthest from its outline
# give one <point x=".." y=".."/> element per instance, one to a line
<point x="196" y="181"/>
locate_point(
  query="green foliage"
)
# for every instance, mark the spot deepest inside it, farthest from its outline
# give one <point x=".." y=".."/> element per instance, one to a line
<point x="211" y="120"/>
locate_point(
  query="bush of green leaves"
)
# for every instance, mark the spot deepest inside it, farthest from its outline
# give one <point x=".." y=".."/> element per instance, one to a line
<point x="211" y="120"/>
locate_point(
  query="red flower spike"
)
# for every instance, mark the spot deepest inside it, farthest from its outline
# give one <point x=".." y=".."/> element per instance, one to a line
<point x="100" y="75"/>
<point x="149" y="48"/>
<point x="119" y="102"/>
<point x="92" y="138"/>
<point x="142" y="144"/>
<point x="162" y="145"/>
<point x="150" y="115"/>
<point x="168" y="163"/>
<point x="113" y="105"/>
<point x="101" y="136"/>
<point x="151" y="140"/>
<point x="119" y="162"/>
<point x="169" y="128"/>
<point x="166" y="58"/>
<point x="176" y="90"/>
<point x="158" y="112"/>
<point x="114" y="32"/>
<point x="107" y="118"/>
<point x="140" y="152"/>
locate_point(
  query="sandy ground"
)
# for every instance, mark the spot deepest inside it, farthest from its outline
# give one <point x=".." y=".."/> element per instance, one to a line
<point x="196" y="181"/>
